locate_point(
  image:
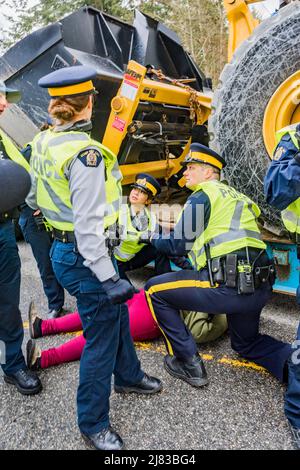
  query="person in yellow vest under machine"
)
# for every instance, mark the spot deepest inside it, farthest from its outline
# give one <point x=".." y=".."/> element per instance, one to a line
<point x="232" y="273"/>
<point x="135" y="221"/>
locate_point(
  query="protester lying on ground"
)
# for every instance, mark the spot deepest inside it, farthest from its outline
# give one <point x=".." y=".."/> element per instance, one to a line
<point x="143" y="327"/>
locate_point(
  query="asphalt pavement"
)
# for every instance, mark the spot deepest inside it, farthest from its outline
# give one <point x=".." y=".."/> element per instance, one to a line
<point x="241" y="408"/>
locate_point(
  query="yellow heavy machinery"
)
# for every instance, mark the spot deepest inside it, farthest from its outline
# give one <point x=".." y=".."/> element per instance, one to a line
<point x="258" y="94"/>
<point x="154" y="101"/>
<point x="143" y="115"/>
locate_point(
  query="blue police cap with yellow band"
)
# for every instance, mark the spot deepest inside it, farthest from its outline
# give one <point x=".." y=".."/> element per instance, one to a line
<point x="11" y="95"/>
<point x="69" y="81"/>
<point x="147" y="183"/>
<point x="201" y="154"/>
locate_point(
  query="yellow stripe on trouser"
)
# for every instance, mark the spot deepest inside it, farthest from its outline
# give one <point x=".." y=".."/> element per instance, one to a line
<point x="169" y="286"/>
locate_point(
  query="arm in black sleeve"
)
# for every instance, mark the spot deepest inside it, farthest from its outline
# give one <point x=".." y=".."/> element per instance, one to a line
<point x="191" y="224"/>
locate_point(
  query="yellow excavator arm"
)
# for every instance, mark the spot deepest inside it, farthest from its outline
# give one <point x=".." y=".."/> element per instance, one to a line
<point x="241" y="23"/>
<point x="135" y="90"/>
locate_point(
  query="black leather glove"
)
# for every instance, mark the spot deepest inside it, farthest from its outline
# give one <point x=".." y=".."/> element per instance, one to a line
<point x="39" y="221"/>
<point x="118" y="290"/>
<point x="145" y="238"/>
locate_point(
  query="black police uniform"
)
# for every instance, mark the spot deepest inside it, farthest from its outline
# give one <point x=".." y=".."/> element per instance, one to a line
<point x="11" y="327"/>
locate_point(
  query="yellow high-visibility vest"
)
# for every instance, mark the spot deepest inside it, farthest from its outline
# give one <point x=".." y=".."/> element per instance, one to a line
<point x="291" y="215"/>
<point x="50" y="152"/>
<point x="232" y="224"/>
<point x="130" y="245"/>
<point x="12" y="151"/>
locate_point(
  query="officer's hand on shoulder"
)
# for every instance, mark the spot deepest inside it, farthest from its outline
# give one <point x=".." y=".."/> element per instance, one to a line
<point x="118" y="290"/>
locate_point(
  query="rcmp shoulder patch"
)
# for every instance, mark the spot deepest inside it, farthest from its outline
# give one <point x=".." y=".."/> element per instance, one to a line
<point x="278" y="154"/>
<point x="90" y="157"/>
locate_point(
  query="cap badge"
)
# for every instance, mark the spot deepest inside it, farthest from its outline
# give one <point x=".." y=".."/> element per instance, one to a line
<point x="141" y="181"/>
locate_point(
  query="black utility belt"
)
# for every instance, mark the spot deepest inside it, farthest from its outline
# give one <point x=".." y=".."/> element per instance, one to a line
<point x="69" y="237"/>
<point x="63" y="236"/>
<point x="245" y="275"/>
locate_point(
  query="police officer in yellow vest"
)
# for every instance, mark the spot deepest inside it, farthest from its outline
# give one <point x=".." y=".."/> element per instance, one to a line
<point x="11" y="327"/>
<point x="78" y="189"/>
<point x="135" y="221"/>
<point x="282" y="190"/>
<point x="232" y="273"/>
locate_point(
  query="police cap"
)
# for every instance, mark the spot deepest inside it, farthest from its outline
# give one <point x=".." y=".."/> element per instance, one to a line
<point x="201" y="154"/>
<point x="14" y="183"/>
<point x="69" y="81"/>
<point x="12" y="96"/>
<point x="147" y="183"/>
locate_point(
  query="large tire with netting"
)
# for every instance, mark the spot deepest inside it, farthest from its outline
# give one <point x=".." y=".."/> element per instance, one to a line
<point x="258" y="68"/>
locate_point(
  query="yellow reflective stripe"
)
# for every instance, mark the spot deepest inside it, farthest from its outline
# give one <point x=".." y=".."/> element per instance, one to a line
<point x="72" y="89"/>
<point x="206" y="159"/>
<point x="152" y="188"/>
<point x="169" y="346"/>
<point x="180" y="284"/>
<point x="173" y="285"/>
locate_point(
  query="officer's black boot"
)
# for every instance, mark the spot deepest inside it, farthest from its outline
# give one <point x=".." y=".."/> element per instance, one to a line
<point x="26" y="382"/>
<point x="147" y="386"/>
<point x="35" y="323"/>
<point x="191" y="370"/>
<point x="296" y="437"/>
<point x="107" y="439"/>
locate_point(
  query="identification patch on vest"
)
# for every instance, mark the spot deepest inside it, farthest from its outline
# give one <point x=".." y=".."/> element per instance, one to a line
<point x="91" y="158"/>
<point x="278" y="154"/>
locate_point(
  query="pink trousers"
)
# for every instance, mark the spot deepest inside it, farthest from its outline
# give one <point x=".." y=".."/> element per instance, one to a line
<point x="142" y="327"/>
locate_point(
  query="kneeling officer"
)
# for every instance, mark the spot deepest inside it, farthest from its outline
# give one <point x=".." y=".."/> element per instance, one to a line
<point x="79" y="192"/>
<point x="232" y="273"/>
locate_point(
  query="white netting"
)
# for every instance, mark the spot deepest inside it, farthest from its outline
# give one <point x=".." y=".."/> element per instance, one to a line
<point x="258" y="67"/>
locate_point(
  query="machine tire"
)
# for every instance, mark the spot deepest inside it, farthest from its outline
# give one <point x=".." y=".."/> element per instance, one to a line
<point x="259" y="66"/>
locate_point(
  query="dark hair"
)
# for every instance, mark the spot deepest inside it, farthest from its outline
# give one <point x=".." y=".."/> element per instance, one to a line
<point x="64" y="109"/>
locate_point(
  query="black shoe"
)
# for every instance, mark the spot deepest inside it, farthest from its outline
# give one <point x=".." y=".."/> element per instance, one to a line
<point x="35" y="323"/>
<point x="33" y="355"/>
<point x="296" y="437"/>
<point x="148" y="385"/>
<point x="191" y="371"/>
<point x="107" y="439"/>
<point x="61" y="312"/>
<point x="26" y="382"/>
